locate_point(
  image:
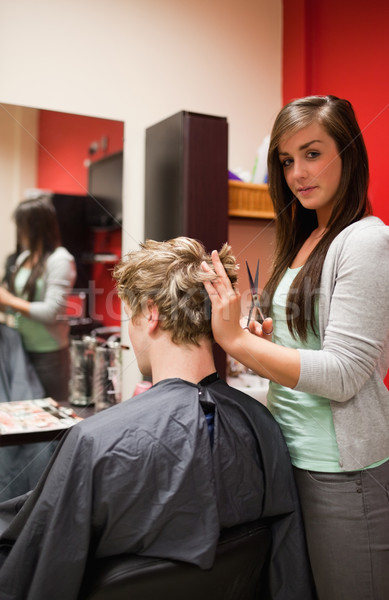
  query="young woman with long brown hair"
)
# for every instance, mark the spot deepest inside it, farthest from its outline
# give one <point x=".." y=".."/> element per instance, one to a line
<point x="44" y="274"/>
<point x="325" y="345"/>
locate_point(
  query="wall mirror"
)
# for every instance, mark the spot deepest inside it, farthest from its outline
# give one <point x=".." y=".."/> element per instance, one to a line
<point x="77" y="159"/>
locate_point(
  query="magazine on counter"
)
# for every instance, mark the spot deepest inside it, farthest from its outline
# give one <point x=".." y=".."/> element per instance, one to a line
<point x="27" y="416"/>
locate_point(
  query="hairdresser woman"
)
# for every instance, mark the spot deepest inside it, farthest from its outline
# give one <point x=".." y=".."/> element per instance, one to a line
<point x="43" y="276"/>
<point x="325" y="347"/>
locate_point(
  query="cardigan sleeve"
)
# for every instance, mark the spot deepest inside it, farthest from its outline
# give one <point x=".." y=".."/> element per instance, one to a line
<point x="354" y="313"/>
<point x="59" y="280"/>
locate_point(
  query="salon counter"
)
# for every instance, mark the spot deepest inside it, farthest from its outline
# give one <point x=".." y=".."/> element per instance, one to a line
<point x="251" y="384"/>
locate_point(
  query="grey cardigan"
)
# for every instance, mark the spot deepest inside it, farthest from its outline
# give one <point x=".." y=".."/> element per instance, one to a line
<point x="354" y="330"/>
<point x="59" y="277"/>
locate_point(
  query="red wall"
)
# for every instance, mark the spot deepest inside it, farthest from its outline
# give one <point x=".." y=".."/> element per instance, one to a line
<point x="342" y="48"/>
<point x="105" y="304"/>
<point x="64" y="142"/>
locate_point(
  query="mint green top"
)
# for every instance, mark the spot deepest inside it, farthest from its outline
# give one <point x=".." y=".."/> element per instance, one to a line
<point x="36" y="337"/>
<point x="46" y="329"/>
<point x="305" y="419"/>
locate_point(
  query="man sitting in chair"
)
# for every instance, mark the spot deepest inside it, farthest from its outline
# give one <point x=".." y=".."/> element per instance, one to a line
<point x="161" y="474"/>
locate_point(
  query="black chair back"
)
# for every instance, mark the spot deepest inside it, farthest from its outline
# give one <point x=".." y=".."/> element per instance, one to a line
<point x="239" y="572"/>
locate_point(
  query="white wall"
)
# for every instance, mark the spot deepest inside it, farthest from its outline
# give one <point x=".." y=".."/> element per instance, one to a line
<point x="140" y="61"/>
<point x="18" y="166"/>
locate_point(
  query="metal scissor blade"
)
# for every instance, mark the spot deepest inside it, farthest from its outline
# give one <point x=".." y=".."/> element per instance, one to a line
<point x="253" y="283"/>
<point x="250" y="312"/>
<point x="254" y="292"/>
<point x="258" y="307"/>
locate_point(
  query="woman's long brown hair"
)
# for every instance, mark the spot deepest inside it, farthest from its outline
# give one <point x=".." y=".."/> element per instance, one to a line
<point x="294" y="223"/>
<point x="36" y="221"/>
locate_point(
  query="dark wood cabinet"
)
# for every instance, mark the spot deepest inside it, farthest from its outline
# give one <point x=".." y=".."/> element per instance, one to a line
<point x="186" y="187"/>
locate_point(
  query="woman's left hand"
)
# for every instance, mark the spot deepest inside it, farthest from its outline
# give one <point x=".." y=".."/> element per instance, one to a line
<point x="226" y="304"/>
<point x="5" y="297"/>
<point x="274" y="362"/>
<point x="8" y="300"/>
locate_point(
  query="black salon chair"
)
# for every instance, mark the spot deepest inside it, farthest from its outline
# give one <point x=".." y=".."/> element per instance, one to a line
<point x="239" y="572"/>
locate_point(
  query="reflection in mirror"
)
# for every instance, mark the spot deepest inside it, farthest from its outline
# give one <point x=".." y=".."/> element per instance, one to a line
<point x="77" y="160"/>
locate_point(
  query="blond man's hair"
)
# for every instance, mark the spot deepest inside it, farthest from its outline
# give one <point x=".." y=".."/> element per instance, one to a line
<point x="170" y="274"/>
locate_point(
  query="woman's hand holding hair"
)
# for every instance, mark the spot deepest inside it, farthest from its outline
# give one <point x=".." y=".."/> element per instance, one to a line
<point x="269" y="360"/>
<point x="226" y="308"/>
<point x="226" y="304"/>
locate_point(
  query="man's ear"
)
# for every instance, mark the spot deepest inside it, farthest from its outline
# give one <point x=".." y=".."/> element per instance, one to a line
<point x="153" y="315"/>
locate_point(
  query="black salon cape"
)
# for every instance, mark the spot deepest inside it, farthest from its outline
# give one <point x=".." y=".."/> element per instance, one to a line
<point x="20" y="466"/>
<point x="141" y="477"/>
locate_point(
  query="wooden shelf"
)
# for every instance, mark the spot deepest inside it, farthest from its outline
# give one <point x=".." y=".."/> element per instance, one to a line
<point x="249" y="200"/>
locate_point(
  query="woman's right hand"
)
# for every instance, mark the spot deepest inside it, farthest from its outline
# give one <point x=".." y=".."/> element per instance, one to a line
<point x="264" y="331"/>
<point x="268" y="360"/>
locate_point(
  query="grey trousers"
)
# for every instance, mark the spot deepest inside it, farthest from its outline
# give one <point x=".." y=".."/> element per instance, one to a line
<point x="346" y="517"/>
<point x="53" y="370"/>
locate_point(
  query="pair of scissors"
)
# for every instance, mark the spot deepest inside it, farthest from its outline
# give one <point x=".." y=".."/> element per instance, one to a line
<point x="254" y="295"/>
